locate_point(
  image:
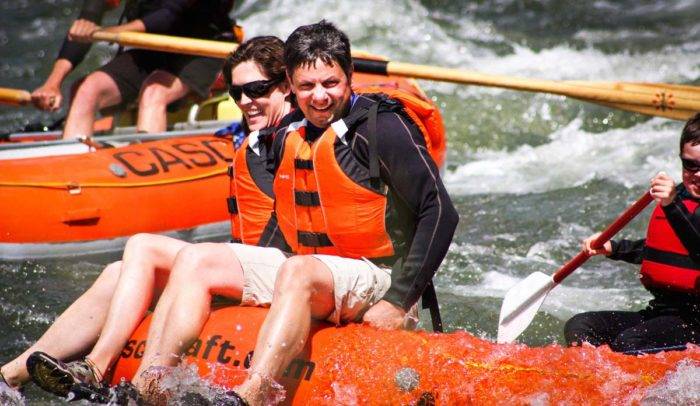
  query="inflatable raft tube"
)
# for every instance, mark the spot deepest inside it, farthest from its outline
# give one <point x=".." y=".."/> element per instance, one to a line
<point x="358" y="364"/>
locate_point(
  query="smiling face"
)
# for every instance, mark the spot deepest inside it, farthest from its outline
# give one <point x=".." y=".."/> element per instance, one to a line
<point x="323" y="92"/>
<point x="264" y="111"/>
<point x="691" y="179"/>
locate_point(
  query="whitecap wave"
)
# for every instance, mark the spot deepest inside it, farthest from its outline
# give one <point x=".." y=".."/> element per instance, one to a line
<point x="573" y="157"/>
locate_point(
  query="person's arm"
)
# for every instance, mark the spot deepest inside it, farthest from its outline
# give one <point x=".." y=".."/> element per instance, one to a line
<point x="413" y="177"/>
<point x="627" y="251"/>
<point x="166" y="18"/>
<point x="48" y="95"/>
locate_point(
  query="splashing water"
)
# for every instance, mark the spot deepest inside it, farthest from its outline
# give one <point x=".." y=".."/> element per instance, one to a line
<point x="679" y="387"/>
<point x="10" y="397"/>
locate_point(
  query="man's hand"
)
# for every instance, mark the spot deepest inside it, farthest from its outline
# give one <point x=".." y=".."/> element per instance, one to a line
<point x="385" y="316"/>
<point x="588" y="242"/>
<point x="663" y="189"/>
<point x="47" y="98"/>
<point x="82" y="30"/>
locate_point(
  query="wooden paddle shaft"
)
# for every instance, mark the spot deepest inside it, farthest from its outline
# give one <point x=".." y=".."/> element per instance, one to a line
<point x="168" y="43"/>
<point x="14" y="96"/>
<point x="604" y="237"/>
<point x="536" y="85"/>
<point x="673" y="101"/>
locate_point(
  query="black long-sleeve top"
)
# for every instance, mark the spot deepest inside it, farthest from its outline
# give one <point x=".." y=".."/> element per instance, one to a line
<point x="685" y="224"/>
<point x="92" y="10"/>
<point x="192" y="18"/>
<point x="423" y="219"/>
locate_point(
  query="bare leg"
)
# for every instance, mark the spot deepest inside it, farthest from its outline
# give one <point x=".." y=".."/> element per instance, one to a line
<point x="158" y="90"/>
<point x="62" y="340"/>
<point x="303" y="290"/>
<point x="145" y="268"/>
<point x="200" y="271"/>
<point x="96" y="92"/>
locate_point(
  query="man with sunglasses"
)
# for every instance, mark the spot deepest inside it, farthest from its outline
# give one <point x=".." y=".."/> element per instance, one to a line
<point x="670" y="268"/>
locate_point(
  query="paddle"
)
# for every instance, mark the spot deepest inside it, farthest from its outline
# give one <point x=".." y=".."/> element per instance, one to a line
<point x="15" y="97"/>
<point x="523" y="300"/>
<point x="657" y="99"/>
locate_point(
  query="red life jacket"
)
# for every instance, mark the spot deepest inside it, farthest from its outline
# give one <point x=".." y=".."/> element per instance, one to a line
<point x="666" y="262"/>
<point x="320" y="208"/>
<point x="250" y="205"/>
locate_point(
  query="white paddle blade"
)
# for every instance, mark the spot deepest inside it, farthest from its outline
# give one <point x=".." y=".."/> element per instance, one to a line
<point x="520" y="305"/>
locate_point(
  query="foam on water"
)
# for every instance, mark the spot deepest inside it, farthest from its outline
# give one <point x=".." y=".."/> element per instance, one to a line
<point x="679" y="387"/>
<point x="573" y="157"/>
<point x="562" y="302"/>
<point x="565" y="63"/>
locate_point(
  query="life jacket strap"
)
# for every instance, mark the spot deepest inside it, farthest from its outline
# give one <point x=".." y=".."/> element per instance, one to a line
<point x="304" y="164"/>
<point x="372" y="143"/>
<point x="311" y="239"/>
<point x="307" y="199"/>
<point x="670" y="258"/>
<point x="430" y="301"/>
<point x="232" y="205"/>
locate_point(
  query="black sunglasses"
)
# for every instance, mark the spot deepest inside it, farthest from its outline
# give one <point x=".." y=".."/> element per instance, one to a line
<point x="690" y="165"/>
<point x="258" y="88"/>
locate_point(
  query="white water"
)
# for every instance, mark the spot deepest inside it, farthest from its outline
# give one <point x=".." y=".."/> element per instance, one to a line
<point x="629" y="157"/>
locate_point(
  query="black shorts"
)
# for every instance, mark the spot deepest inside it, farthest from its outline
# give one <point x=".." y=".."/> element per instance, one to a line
<point x="130" y="68"/>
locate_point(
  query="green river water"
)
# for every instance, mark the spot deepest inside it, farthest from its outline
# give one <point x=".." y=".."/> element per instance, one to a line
<point x="530" y="174"/>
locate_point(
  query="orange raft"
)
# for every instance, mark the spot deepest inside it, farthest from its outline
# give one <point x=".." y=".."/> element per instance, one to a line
<point x="67" y="197"/>
<point x="360" y="365"/>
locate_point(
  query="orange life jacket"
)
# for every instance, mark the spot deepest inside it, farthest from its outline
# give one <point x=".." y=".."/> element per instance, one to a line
<point x="666" y="262"/>
<point x="423" y="113"/>
<point x="320" y="208"/>
<point x="249" y="204"/>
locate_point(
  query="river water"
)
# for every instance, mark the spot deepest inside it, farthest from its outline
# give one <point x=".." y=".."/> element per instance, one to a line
<point x="531" y="174"/>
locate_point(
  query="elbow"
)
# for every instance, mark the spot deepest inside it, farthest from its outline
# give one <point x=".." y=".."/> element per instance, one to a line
<point x="452" y="218"/>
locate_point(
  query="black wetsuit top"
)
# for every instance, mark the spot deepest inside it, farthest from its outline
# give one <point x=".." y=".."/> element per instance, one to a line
<point x="421" y="218"/>
<point x="686" y="225"/>
<point x="189" y="18"/>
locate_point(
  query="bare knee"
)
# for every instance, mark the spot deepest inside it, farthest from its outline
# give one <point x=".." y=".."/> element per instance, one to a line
<point x="160" y="89"/>
<point x="300" y="274"/>
<point x="141" y="244"/>
<point x="91" y="89"/>
<point x="153" y="95"/>
<point x="192" y="263"/>
<point x="106" y="282"/>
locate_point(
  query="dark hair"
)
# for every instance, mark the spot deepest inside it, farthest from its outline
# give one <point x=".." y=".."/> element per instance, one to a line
<point x="322" y="40"/>
<point x="267" y="52"/>
<point x="691" y="132"/>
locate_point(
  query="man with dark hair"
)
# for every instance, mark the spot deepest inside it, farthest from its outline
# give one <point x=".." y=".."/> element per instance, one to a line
<point x="670" y="268"/>
<point x="360" y="203"/>
<point x="154" y="78"/>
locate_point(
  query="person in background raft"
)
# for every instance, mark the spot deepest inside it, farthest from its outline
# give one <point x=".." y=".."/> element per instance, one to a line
<point x="156" y="79"/>
<point x="670" y="268"/>
<point x="116" y="303"/>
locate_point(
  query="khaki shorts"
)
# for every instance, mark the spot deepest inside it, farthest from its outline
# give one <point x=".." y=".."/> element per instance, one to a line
<point x="357" y="283"/>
